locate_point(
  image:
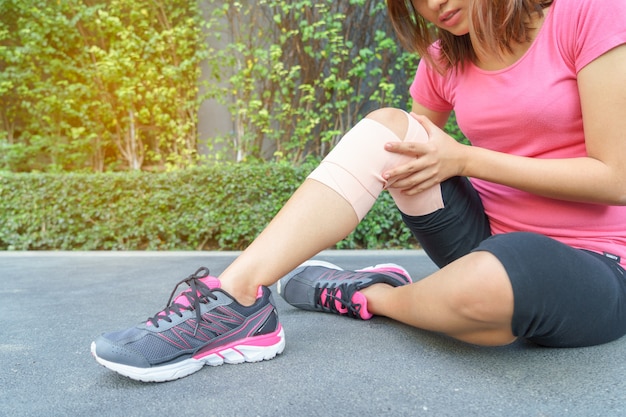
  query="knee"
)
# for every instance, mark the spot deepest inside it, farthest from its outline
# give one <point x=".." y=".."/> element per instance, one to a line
<point x="394" y="119"/>
<point x="484" y="293"/>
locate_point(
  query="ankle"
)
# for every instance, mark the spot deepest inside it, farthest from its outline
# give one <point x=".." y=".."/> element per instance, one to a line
<point x="375" y="290"/>
<point x="374" y="294"/>
<point x="244" y="295"/>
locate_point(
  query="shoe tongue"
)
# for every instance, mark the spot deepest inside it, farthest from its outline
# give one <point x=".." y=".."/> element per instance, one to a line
<point x="341" y="309"/>
<point x="211" y="282"/>
<point x="357" y="298"/>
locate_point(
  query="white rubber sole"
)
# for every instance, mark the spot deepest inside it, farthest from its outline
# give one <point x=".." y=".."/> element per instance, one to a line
<point x="230" y="355"/>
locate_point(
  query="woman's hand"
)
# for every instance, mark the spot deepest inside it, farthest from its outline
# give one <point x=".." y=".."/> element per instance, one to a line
<point x="435" y="161"/>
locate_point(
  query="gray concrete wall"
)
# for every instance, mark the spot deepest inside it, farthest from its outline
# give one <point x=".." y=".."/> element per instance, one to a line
<point x="214" y="119"/>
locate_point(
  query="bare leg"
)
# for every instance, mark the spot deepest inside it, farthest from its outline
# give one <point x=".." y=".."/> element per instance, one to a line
<point x="471" y="300"/>
<point x="314" y="218"/>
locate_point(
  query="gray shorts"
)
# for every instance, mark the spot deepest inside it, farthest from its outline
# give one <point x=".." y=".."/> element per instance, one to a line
<point x="564" y="297"/>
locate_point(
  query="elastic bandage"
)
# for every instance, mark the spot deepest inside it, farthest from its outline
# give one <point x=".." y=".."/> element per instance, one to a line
<point x="355" y="166"/>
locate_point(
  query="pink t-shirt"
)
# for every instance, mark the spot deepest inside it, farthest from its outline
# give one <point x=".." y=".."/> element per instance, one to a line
<point x="532" y="108"/>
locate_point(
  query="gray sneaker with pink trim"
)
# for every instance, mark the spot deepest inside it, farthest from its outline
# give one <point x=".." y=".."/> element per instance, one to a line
<point x="203" y="325"/>
<point x="323" y="286"/>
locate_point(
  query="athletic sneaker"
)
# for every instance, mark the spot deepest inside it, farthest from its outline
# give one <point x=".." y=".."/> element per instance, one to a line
<point x="202" y="326"/>
<point x="322" y="286"/>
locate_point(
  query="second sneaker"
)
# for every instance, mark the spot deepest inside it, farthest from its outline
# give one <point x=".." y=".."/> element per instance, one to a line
<point x="323" y="286"/>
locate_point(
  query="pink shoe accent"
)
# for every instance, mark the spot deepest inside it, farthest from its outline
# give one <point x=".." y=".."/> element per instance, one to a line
<point x="359" y="298"/>
<point x="264" y="340"/>
<point x="388" y="268"/>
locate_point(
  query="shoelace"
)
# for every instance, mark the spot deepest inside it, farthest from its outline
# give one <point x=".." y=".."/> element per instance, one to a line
<point x="345" y="298"/>
<point x="193" y="281"/>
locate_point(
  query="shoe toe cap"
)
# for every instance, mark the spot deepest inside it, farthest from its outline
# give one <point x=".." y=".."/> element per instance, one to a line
<point x="111" y="351"/>
<point x="299" y="294"/>
<point x="286" y="282"/>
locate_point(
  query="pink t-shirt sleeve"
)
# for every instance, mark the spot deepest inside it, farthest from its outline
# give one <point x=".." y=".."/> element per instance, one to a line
<point x="431" y="89"/>
<point x="596" y="27"/>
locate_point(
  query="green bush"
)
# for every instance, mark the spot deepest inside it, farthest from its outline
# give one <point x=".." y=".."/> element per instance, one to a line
<point x="222" y="207"/>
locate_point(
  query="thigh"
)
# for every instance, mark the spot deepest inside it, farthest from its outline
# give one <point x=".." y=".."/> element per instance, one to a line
<point x="453" y="231"/>
<point x="563" y="297"/>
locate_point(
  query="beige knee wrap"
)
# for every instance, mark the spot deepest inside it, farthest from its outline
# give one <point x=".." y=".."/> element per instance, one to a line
<point x="355" y="166"/>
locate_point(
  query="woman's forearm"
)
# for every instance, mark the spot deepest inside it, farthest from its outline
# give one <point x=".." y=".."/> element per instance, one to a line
<point x="581" y="179"/>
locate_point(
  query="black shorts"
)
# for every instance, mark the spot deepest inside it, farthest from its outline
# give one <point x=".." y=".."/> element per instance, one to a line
<point x="564" y="297"/>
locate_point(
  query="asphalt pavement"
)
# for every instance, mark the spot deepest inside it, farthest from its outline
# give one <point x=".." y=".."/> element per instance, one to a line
<point x="53" y="304"/>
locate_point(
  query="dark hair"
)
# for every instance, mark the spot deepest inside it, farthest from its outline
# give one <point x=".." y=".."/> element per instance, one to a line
<point x="497" y="25"/>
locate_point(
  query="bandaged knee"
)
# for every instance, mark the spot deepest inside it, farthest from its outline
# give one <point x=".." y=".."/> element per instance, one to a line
<point x="355" y="166"/>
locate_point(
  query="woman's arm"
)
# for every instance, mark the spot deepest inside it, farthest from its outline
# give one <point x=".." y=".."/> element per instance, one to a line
<point x="599" y="178"/>
<point x="438" y="118"/>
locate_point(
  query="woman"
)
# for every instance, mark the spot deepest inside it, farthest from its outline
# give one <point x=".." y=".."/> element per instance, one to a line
<point x="533" y="246"/>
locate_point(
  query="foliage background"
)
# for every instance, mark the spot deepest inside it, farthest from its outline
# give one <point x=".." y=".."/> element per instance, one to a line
<point x="205" y="208"/>
<point x="303" y="72"/>
<point x="98" y="85"/>
<point x="113" y="88"/>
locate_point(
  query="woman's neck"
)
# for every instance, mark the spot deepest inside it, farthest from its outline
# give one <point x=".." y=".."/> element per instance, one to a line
<point x="492" y="61"/>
